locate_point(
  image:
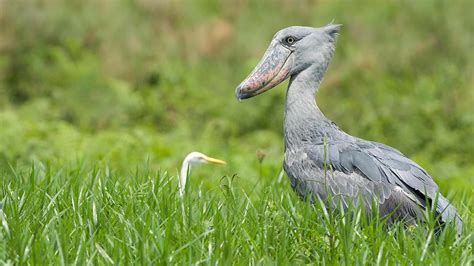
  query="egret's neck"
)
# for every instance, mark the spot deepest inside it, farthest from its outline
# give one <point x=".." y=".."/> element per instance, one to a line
<point x="303" y="119"/>
<point x="185" y="168"/>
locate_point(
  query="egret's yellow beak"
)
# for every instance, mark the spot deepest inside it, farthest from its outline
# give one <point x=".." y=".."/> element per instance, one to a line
<point x="213" y="160"/>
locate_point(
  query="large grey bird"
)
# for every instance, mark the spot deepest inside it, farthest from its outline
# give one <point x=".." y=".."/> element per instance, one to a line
<point x="321" y="159"/>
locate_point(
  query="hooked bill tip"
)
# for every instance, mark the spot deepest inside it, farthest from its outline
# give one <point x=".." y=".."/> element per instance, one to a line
<point x="239" y="94"/>
<point x="247" y="89"/>
<point x="242" y="95"/>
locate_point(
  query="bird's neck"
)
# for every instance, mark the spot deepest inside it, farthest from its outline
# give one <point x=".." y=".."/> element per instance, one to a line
<point x="303" y="119"/>
<point x="183" y="175"/>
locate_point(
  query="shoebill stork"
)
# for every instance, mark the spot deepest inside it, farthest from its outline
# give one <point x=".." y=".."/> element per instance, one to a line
<point x="321" y="159"/>
<point x="190" y="160"/>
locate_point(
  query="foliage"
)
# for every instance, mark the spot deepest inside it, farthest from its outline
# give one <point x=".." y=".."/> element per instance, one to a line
<point x="75" y="216"/>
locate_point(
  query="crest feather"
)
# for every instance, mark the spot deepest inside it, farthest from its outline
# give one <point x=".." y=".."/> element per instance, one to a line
<point x="332" y="29"/>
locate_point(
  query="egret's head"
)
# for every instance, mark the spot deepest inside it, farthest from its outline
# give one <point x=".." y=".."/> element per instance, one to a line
<point x="291" y="51"/>
<point x="199" y="158"/>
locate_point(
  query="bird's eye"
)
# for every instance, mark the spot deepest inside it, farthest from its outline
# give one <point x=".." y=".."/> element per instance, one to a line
<point x="289" y="40"/>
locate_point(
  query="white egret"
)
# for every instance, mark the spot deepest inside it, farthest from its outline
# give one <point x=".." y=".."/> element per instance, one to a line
<point x="191" y="159"/>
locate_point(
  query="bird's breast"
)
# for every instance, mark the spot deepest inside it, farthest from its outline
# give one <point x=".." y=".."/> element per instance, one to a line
<point x="295" y="157"/>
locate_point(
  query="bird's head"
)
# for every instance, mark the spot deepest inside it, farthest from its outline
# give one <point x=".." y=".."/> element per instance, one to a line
<point x="291" y="51"/>
<point x="200" y="158"/>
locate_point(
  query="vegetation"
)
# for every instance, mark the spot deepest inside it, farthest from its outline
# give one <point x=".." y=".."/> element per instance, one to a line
<point x="101" y="100"/>
<point x="78" y="217"/>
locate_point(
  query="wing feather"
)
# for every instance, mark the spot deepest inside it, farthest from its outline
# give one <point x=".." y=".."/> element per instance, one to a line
<point x="369" y="169"/>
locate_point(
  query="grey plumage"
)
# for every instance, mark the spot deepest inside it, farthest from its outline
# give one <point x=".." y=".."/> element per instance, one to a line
<point x="322" y="160"/>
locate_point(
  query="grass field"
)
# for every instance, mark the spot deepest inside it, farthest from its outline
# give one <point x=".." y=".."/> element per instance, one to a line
<point x="101" y="100"/>
<point x="77" y="216"/>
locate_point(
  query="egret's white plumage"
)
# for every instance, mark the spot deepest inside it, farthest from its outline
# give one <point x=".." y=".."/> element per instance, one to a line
<point x="191" y="159"/>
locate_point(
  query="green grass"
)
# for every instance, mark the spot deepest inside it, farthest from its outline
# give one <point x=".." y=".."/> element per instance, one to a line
<point x="81" y="215"/>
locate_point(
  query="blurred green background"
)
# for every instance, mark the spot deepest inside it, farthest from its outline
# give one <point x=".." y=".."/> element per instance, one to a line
<point x="126" y="84"/>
